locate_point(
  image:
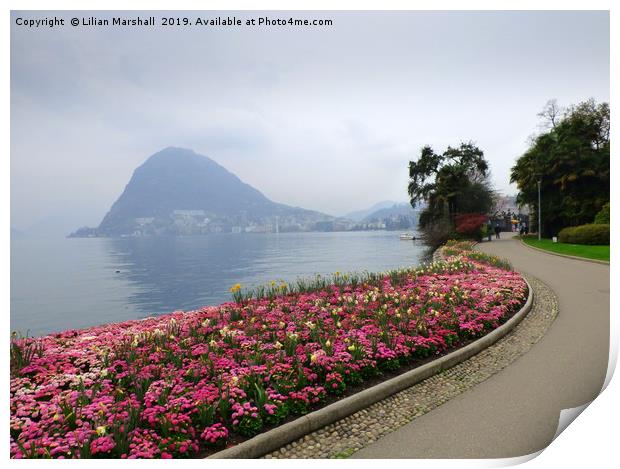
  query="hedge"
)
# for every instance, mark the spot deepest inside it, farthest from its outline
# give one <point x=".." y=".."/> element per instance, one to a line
<point x="585" y="234"/>
<point x="602" y="217"/>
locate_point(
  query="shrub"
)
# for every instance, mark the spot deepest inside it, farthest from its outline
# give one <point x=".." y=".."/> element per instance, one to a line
<point x="585" y="234"/>
<point x="470" y="225"/>
<point x="603" y="217"/>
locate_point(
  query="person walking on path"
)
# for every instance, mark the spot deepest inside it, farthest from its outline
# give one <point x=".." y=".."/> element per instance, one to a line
<point x="489" y="229"/>
<point x="497" y="230"/>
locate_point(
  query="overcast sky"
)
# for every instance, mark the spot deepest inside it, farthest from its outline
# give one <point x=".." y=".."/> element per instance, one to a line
<point x="325" y="118"/>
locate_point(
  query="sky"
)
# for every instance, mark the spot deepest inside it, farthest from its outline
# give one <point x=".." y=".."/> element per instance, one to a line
<point x="325" y="118"/>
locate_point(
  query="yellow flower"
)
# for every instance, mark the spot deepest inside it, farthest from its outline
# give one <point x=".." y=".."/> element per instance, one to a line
<point x="235" y="288"/>
<point x="351" y="348"/>
<point x="101" y="430"/>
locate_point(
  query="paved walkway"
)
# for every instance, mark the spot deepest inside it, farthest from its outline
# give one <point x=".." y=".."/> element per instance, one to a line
<point x="516" y="411"/>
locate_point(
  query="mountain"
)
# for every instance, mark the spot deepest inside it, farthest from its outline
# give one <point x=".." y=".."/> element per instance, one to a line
<point x="359" y="215"/>
<point x="395" y="210"/>
<point x="179" y="192"/>
<point x="398" y="216"/>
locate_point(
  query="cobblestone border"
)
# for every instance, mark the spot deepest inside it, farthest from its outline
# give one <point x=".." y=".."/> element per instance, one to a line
<point x="595" y="261"/>
<point x="330" y="417"/>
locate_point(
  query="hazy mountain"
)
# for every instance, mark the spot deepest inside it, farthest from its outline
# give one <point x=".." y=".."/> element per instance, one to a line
<point x="395" y="210"/>
<point x="359" y="215"/>
<point x="177" y="191"/>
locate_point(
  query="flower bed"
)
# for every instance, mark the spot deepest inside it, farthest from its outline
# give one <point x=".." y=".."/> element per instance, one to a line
<point x="186" y="384"/>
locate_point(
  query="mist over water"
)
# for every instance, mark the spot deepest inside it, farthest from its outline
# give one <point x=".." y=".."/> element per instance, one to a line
<point x="59" y="284"/>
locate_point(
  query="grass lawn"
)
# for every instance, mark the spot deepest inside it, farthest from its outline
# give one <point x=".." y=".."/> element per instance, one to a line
<point x="579" y="250"/>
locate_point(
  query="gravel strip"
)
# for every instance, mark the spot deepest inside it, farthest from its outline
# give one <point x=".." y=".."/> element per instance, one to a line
<point x="345" y="437"/>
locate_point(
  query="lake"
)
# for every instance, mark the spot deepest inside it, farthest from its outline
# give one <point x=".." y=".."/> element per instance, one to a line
<point x="59" y="284"/>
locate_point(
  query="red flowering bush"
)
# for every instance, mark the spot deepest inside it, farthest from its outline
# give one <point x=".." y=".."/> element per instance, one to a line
<point x="181" y="384"/>
<point x="470" y="224"/>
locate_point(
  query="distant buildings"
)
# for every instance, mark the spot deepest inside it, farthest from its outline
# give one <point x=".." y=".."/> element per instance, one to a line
<point x="187" y="222"/>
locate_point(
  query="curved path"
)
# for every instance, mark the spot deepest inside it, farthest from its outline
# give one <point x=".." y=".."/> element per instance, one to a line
<point x="516" y="411"/>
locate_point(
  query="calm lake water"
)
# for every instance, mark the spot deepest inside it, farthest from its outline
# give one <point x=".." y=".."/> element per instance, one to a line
<point x="59" y="284"/>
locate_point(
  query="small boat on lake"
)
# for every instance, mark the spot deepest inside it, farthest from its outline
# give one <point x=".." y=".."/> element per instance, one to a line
<point x="407" y="236"/>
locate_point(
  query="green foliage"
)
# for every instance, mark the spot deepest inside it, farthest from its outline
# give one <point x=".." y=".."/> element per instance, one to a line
<point x="489" y="259"/>
<point x="465" y="249"/>
<point x="344" y="454"/>
<point x="249" y="426"/>
<point x="23" y="351"/>
<point x="571" y="159"/>
<point x="585" y="234"/>
<point x="319" y="282"/>
<point x="453" y="182"/>
<point x="603" y="217"/>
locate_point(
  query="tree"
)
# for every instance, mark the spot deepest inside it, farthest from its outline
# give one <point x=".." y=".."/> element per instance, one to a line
<point x="571" y="160"/>
<point x="603" y="217"/>
<point x="551" y="114"/>
<point x="453" y="182"/>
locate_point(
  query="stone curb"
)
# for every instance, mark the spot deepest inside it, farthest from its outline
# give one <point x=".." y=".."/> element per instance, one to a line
<point x="595" y="261"/>
<point x="284" y="434"/>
